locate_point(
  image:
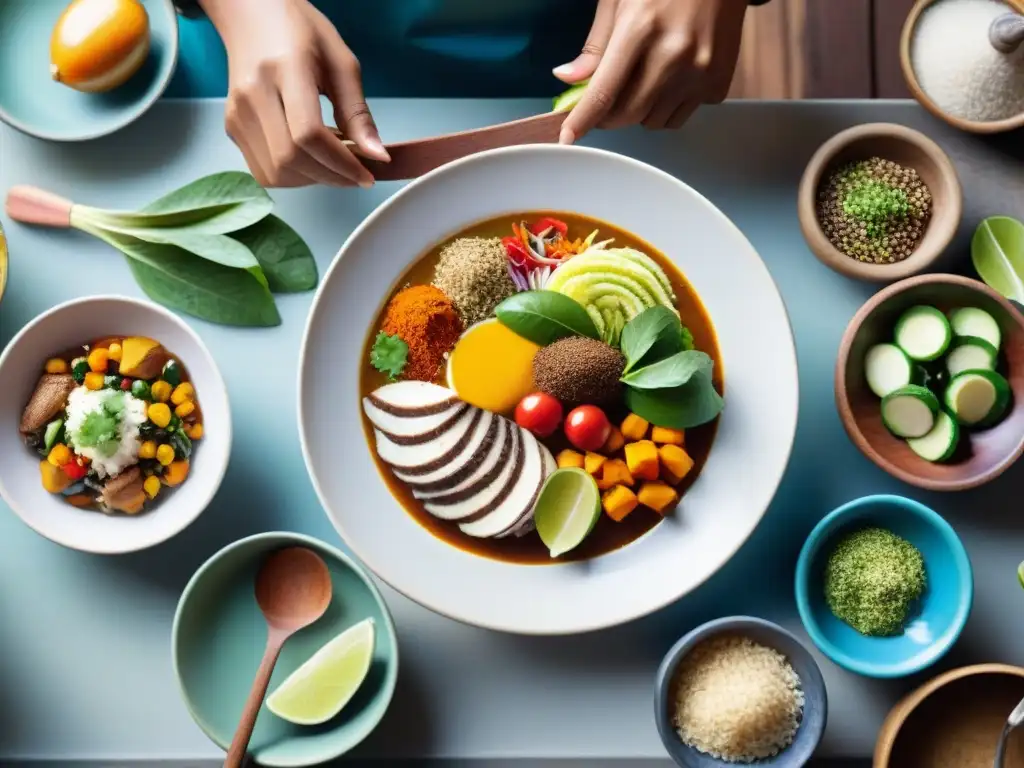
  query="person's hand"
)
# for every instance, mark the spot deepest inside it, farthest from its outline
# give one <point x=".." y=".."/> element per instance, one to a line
<point x="282" y="54"/>
<point x="653" y="62"/>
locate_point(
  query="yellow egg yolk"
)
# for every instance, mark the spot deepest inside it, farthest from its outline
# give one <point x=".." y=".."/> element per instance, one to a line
<point x="98" y="44"/>
<point x="491" y="367"/>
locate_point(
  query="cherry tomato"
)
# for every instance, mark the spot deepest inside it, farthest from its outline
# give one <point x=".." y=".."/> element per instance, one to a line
<point x="540" y="413"/>
<point x="587" y="427"/>
<point x="75" y="469"/>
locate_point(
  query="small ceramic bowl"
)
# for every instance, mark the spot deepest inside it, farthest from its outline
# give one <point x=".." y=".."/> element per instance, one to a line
<point x="815" y="711"/>
<point x="219" y="636"/>
<point x="910" y="149"/>
<point x="940" y="614"/>
<point x="69" y="325"/>
<point x="33" y="103"/>
<point x="956" y="716"/>
<point x="982" y="454"/>
<point x="910" y="76"/>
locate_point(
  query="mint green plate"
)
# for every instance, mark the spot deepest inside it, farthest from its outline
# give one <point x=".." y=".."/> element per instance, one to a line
<point x="219" y="636"/>
<point x="33" y="103"/>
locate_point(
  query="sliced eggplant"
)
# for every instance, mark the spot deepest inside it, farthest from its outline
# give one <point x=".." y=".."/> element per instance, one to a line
<point x="971" y="321"/>
<point x="940" y="443"/>
<point x="970" y="353"/>
<point x="923" y="333"/>
<point x="978" y="398"/>
<point x="910" y="411"/>
<point x="887" y="368"/>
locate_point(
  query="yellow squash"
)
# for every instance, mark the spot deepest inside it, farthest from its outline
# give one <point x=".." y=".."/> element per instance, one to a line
<point x="98" y="44"/>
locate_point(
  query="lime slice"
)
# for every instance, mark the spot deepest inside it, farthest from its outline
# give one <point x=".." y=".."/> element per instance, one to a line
<point x="1020" y="574"/>
<point x="567" y="509"/>
<point x="317" y="691"/>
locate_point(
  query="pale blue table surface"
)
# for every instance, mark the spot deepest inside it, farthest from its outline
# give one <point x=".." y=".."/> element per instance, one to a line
<point x="85" y="667"/>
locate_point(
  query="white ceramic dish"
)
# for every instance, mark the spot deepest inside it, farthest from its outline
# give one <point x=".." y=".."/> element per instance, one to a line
<point x="718" y="513"/>
<point x="77" y="322"/>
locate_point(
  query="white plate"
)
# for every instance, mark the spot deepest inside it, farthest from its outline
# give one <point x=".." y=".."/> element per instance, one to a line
<point x="718" y="512"/>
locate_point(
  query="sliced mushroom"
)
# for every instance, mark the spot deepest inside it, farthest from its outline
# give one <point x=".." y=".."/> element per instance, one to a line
<point x="124" y="492"/>
<point x="48" y="399"/>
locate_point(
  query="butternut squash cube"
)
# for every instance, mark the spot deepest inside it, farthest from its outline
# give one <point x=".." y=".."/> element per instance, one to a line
<point x="675" y="463"/>
<point x="569" y="458"/>
<point x="614" y="472"/>
<point x="176" y="472"/>
<point x="593" y="462"/>
<point x="54" y="479"/>
<point x="634" y="427"/>
<point x="642" y="459"/>
<point x="668" y="436"/>
<point x="618" y="502"/>
<point x="614" y="442"/>
<point x="658" y="496"/>
<point x="142" y="357"/>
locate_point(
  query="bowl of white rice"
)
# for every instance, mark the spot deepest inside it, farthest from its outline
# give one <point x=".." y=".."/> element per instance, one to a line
<point x="740" y="690"/>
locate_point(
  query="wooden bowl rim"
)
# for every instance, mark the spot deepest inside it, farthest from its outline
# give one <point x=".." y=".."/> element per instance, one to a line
<point x="947" y="219"/>
<point x="970" y="126"/>
<point x="843" y="400"/>
<point x="905" y="707"/>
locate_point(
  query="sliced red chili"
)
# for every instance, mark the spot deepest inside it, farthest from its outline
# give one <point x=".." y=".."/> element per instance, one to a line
<point x="515" y="250"/>
<point x="74" y="469"/>
<point x="548" y="223"/>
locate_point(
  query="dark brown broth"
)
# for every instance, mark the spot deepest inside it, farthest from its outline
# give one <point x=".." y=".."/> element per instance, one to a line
<point x="607" y="535"/>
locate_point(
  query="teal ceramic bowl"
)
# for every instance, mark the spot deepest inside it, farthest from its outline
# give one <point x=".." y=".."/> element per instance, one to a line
<point x="936" y="621"/>
<point x="33" y="103"/>
<point x="219" y="636"/>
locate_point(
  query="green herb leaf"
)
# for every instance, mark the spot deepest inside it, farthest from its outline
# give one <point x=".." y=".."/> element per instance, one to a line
<point x="656" y="330"/>
<point x="284" y="256"/>
<point x="673" y="371"/>
<point x="389" y="355"/>
<point x="694" y="403"/>
<point x="219" y="249"/>
<point x="98" y="430"/>
<point x="544" y="317"/>
<point x="688" y="342"/>
<point x="997" y="250"/>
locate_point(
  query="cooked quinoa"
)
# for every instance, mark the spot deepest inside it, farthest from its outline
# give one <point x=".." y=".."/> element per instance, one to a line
<point x="737" y="700"/>
<point x="472" y="271"/>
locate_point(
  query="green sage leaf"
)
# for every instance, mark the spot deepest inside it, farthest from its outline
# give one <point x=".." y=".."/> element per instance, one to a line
<point x="683" y="407"/>
<point x="997" y="250"/>
<point x="656" y="330"/>
<point x="284" y="256"/>
<point x="671" y="372"/>
<point x="544" y="317"/>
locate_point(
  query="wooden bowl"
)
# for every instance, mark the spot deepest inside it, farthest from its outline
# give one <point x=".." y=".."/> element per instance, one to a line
<point x="910" y="149"/>
<point x="971" y="126"/>
<point x="989" y="452"/>
<point x="954" y="720"/>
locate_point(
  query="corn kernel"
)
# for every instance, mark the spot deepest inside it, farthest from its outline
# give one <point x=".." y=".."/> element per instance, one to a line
<point x="56" y="365"/>
<point x="183" y="393"/>
<point x="159" y="414"/>
<point x="93" y="380"/>
<point x="161" y="391"/>
<point x="147" y="450"/>
<point x="184" y="409"/>
<point x="194" y="431"/>
<point x="165" y="454"/>
<point x="98" y="359"/>
<point x="114" y="352"/>
<point x="151" y="486"/>
<point x="59" y="455"/>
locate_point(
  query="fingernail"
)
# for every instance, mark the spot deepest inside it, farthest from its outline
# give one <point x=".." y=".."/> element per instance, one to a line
<point x="566" y="136"/>
<point x="563" y="70"/>
<point x="366" y="184"/>
<point x="377" y="147"/>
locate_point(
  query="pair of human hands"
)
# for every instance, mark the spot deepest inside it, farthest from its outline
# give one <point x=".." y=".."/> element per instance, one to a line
<point x="651" y="62"/>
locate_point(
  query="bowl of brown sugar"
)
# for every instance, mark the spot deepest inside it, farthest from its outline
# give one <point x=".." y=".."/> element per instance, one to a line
<point x="879" y="202"/>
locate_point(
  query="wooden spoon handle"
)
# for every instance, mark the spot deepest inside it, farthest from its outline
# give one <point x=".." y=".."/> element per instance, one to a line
<point x="240" y="743"/>
<point x="411" y="159"/>
<point x="31" y="205"/>
<point x="1007" y="32"/>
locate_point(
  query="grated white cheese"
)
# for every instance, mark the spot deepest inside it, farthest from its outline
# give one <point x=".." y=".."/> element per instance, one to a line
<point x="83" y="401"/>
<point x="957" y="66"/>
<point x="737" y="700"/>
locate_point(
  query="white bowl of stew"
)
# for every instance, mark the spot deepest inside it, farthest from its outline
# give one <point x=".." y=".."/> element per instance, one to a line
<point x="508" y="580"/>
<point x="114" y="425"/>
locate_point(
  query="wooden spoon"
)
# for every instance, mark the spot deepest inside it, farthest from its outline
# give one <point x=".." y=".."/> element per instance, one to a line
<point x="293" y="589"/>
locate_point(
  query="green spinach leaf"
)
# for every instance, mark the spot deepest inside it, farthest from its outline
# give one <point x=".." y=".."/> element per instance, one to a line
<point x="544" y="317"/>
<point x="284" y="256"/>
<point x="671" y="372"/>
<point x="656" y="330"/>
<point x="694" y="403"/>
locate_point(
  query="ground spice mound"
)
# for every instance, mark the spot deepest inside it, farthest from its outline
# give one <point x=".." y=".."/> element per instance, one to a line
<point x="474" y="273"/>
<point x="579" y="370"/>
<point x="425" y="319"/>
<point x="875" y="210"/>
<point x="737" y="700"/>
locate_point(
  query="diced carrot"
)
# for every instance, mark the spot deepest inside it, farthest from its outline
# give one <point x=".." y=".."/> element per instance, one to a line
<point x="668" y="436"/>
<point x="614" y="472"/>
<point x="675" y="463"/>
<point x="614" y="442"/>
<point x="593" y="462"/>
<point x="569" y="458"/>
<point x="658" y="496"/>
<point x="618" y="502"/>
<point x="642" y="459"/>
<point x="634" y="427"/>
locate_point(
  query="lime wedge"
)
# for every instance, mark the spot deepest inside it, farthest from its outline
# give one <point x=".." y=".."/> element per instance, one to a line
<point x="1020" y="574"/>
<point x="317" y="691"/>
<point x="567" y="509"/>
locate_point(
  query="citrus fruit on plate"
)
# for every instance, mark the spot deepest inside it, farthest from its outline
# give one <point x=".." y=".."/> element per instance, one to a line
<point x="567" y="509"/>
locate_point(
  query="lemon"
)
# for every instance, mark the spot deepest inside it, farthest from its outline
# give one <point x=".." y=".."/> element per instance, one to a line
<point x="567" y="509"/>
<point x="324" y="684"/>
<point x="491" y="367"/>
<point x="97" y="45"/>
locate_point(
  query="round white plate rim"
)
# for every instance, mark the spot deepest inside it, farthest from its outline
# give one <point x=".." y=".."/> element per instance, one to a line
<point x="409" y="591"/>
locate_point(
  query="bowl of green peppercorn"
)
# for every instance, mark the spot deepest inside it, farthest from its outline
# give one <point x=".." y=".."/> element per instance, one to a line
<point x="879" y="202"/>
<point x="884" y="586"/>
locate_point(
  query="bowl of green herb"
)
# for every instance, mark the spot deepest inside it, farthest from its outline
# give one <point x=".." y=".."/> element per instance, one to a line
<point x="884" y="586"/>
<point x="879" y="202"/>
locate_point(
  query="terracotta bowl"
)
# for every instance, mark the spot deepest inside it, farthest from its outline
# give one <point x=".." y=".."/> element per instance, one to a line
<point x="984" y="454"/>
<point x="954" y="720"/>
<point x="910" y="149"/>
<point x="971" y="126"/>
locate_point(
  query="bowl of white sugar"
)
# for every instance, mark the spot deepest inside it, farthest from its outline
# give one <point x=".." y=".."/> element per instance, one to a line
<point x="963" y="60"/>
<point x="740" y="690"/>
